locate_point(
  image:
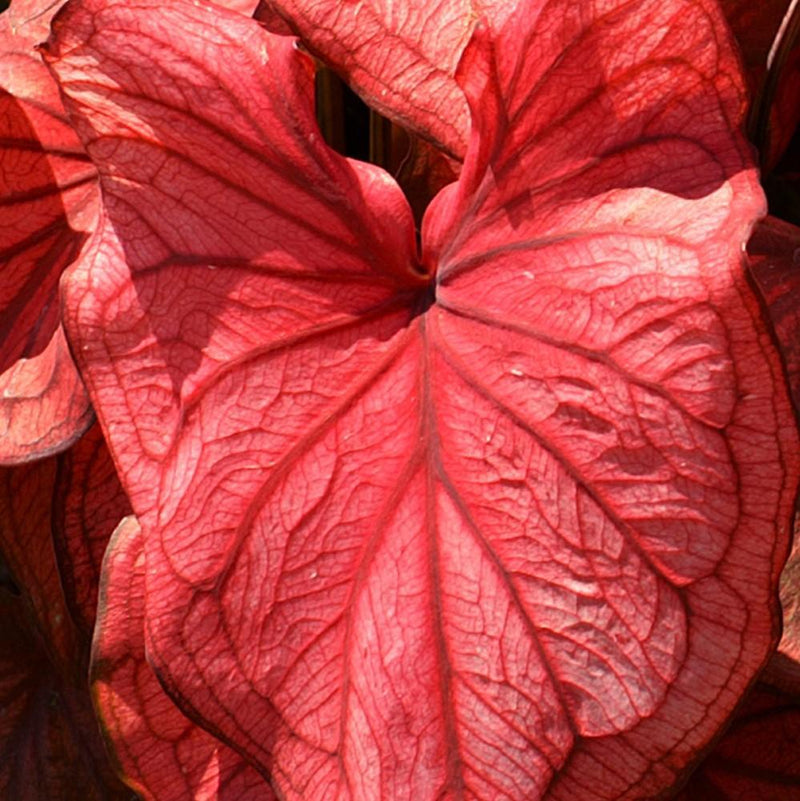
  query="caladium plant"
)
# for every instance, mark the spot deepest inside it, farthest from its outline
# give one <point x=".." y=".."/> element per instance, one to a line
<point x="490" y="507"/>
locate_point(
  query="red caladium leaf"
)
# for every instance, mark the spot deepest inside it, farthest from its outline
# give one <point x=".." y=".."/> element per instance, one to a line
<point x="757" y="759"/>
<point x="505" y="521"/>
<point x="246" y="7"/>
<point x="162" y="755"/>
<point x="47" y="196"/>
<point x="423" y="172"/>
<point x="88" y="503"/>
<point x="34" y="17"/>
<point x="410" y="76"/>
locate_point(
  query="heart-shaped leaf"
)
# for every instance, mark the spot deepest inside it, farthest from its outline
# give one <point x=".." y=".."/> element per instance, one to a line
<point x="505" y="522"/>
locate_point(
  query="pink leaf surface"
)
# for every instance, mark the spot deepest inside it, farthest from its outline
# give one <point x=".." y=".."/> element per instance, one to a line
<point x="46" y="199"/>
<point x="246" y="7"/>
<point x="32" y="18"/>
<point x="507" y="523"/>
<point x="88" y="504"/>
<point x="162" y="754"/>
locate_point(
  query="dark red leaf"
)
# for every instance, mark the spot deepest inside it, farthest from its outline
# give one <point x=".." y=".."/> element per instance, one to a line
<point x="768" y="33"/>
<point x="26" y="541"/>
<point x="774" y="251"/>
<point x="783" y="116"/>
<point x="512" y="531"/>
<point x="162" y="754"/>
<point x="422" y="172"/>
<point x="47" y="198"/>
<point x="50" y="747"/>
<point x="757" y="759"/>
<point x="88" y="504"/>
<point x="755" y="26"/>
<point x="783" y="669"/>
<point x="790" y="600"/>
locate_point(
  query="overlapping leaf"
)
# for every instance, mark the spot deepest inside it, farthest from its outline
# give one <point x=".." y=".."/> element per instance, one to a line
<point x="769" y="36"/>
<point x="50" y="746"/>
<point x="757" y="759"/>
<point x="49" y="743"/>
<point x="47" y="199"/>
<point x="504" y="523"/>
<point x="162" y="755"/>
<point x="26" y="541"/>
<point x="774" y="251"/>
<point x="88" y="503"/>
<point x="410" y="75"/>
<point x="774" y="260"/>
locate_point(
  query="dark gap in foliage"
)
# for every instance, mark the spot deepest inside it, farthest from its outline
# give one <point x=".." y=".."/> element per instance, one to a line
<point x="353" y="129"/>
<point x="343" y="117"/>
<point x="425" y="298"/>
<point x="782" y="185"/>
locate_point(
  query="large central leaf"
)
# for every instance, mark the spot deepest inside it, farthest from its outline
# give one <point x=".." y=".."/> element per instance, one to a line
<point x="502" y="522"/>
